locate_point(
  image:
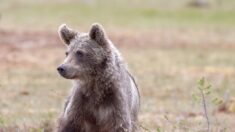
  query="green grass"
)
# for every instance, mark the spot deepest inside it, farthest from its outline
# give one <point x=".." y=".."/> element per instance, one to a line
<point x="51" y="14"/>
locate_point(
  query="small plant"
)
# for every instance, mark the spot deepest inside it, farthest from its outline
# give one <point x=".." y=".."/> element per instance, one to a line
<point x="159" y="130"/>
<point x="205" y="90"/>
<point x="2" y="123"/>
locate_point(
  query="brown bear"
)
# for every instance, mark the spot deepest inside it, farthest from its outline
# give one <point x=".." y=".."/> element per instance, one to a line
<point x="104" y="96"/>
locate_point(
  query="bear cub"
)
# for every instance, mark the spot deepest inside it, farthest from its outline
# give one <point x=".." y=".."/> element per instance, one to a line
<point x="104" y="96"/>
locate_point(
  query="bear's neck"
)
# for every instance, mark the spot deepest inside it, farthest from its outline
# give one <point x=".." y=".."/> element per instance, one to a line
<point x="103" y="83"/>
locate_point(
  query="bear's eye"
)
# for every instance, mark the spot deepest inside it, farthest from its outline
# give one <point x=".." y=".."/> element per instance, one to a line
<point x="79" y="53"/>
<point x="66" y="53"/>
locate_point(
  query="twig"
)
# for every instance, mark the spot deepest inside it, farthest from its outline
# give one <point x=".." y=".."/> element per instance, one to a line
<point x="205" y="111"/>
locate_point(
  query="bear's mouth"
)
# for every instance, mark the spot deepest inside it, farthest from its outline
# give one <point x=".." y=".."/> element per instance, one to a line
<point x="67" y="76"/>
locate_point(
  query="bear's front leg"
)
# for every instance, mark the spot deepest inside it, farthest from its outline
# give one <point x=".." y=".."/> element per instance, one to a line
<point x="66" y="104"/>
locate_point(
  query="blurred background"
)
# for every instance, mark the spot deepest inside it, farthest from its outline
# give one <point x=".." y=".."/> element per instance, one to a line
<point x="168" y="45"/>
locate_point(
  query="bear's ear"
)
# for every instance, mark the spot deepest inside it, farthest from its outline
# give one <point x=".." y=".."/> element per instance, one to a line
<point x="98" y="34"/>
<point x="66" y="34"/>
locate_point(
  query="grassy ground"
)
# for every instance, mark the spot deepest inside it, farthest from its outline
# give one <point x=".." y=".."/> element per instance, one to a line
<point x="136" y="14"/>
<point x="168" y="47"/>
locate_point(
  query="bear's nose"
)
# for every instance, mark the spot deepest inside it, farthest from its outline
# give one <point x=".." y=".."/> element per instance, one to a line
<point x="61" y="70"/>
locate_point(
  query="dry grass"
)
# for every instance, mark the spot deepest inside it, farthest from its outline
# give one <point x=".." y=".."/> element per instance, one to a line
<point x="165" y="64"/>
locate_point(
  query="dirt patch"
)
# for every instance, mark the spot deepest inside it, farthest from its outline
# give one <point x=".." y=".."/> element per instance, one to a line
<point x="176" y="38"/>
<point x="28" y="40"/>
<point x="156" y="38"/>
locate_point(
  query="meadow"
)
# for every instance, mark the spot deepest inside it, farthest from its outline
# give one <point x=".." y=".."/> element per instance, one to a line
<point x="167" y="45"/>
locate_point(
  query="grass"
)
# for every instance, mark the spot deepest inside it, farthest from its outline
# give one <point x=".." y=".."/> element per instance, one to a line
<point x="35" y="94"/>
<point x="51" y="14"/>
<point x="167" y="79"/>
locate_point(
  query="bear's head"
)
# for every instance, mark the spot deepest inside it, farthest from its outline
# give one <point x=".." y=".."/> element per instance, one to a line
<point x="86" y="52"/>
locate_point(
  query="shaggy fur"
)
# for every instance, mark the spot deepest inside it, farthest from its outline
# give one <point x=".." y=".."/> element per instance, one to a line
<point x="104" y="97"/>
